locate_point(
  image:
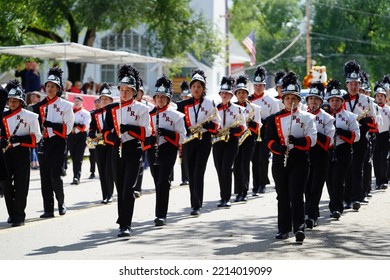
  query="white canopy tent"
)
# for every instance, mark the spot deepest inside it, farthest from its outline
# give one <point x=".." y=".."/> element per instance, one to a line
<point x="79" y="53"/>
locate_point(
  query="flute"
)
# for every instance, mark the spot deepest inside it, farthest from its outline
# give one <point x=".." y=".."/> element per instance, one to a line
<point x="289" y="133"/>
<point x="120" y="134"/>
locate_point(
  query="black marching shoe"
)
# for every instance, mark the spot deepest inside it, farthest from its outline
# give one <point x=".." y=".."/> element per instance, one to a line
<point x="255" y="192"/>
<point x="184" y="183"/>
<point x="356" y="205"/>
<point x="92" y="176"/>
<point x="238" y="198"/>
<point x="383" y="186"/>
<point x="75" y="181"/>
<point x="17" y="224"/>
<point x="262" y="189"/>
<point x="10" y="220"/>
<point x="243" y="198"/>
<point x="124" y="231"/>
<point x="195" y="211"/>
<point x="281" y="235"/>
<point x="309" y="223"/>
<point x="299" y="236"/>
<point x="47" y="215"/>
<point x="62" y="209"/>
<point x="348" y="205"/>
<point x="224" y="204"/>
<point x="335" y="215"/>
<point x="158" y="222"/>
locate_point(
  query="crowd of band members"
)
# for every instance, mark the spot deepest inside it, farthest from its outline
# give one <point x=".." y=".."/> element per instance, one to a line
<point x="330" y="140"/>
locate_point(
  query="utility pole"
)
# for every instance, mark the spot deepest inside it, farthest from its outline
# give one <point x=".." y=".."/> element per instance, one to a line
<point x="308" y="44"/>
<point x="227" y="59"/>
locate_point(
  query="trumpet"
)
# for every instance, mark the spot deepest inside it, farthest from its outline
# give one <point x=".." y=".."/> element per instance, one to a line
<point x="196" y="129"/>
<point x="223" y="134"/>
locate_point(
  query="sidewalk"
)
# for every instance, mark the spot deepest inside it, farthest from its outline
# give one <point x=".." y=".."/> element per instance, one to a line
<point x="243" y="232"/>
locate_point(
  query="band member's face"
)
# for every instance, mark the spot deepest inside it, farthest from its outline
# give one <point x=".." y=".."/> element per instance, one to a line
<point x="289" y="99"/>
<point x="335" y="103"/>
<point x="161" y="100"/>
<point x="279" y="90"/>
<point x="77" y="103"/>
<point x="353" y="87"/>
<point x="197" y="89"/>
<point x="225" y="96"/>
<point x="139" y="95"/>
<point x="14" y="103"/>
<point x="105" y="100"/>
<point x="51" y="89"/>
<point x="259" y="88"/>
<point x="241" y="95"/>
<point x="380" y="98"/>
<point x="127" y="93"/>
<point x="314" y="102"/>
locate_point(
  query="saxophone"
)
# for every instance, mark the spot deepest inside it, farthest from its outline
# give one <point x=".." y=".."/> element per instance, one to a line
<point x="196" y="129"/>
<point x="223" y="134"/>
<point x="247" y="132"/>
<point x="365" y="112"/>
<point x="93" y="142"/>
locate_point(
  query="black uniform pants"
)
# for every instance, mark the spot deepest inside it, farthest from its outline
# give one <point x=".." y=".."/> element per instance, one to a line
<point x="77" y="144"/>
<point x="167" y="154"/>
<point x="224" y="154"/>
<point x="92" y="160"/>
<point x="125" y="171"/>
<point x="380" y="158"/>
<point x="141" y="168"/>
<point x="290" y="182"/>
<point x="319" y="161"/>
<point x="103" y="160"/>
<point x="339" y="164"/>
<point x="17" y="162"/>
<point x="354" y="181"/>
<point x="50" y="162"/>
<point x="195" y="155"/>
<point x="241" y="168"/>
<point x="260" y="162"/>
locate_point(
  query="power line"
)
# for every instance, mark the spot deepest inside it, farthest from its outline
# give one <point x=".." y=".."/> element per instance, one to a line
<point x="351" y="40"/>
<point x="349" y="10"/>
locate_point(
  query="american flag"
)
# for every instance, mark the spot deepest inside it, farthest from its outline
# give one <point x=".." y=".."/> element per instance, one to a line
<point x="249" y="43"/>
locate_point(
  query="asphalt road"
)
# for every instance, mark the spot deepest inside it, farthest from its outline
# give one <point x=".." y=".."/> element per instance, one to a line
<point x="243" y="232"/>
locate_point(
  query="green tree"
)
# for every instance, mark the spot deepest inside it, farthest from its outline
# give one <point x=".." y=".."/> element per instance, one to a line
<point x="173" y="27"/>
<point x="276" y="23"/>
<point x="351" y="29"/>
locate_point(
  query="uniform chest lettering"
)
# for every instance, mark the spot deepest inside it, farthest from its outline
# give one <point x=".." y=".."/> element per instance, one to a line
<point x="133" y="114"/>
<point x="167" y="119"/>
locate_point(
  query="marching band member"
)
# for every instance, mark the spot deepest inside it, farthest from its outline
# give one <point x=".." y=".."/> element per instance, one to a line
<point x="382" y="139"/>
<point x="225" y="142"/>
<point x="103" y="152"/>
<point x="20" y="132"/>
<point x="168" y="133"/>
<point x="3" y="175"/>
<point x="363" y="107"/>
<point x="77" y="138"/>
<point x="185" y="94"/>
<point x="56" y="118"/>
<point x="279" y="88"/>
<point x="126" y="125"/>
<point x="201" y="120"/>
<point x="318" y="154"/>
<point x="290" y="134"/>
<point x="247" y="140"/>
<point x="92" y="148"/>
<point x="269" y="105"/>
<point x="340" y="154"/>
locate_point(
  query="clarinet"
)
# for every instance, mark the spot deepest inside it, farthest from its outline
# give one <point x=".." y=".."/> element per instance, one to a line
<point x="334" y="158"/>
<point x="289" y="133"/>
<point x="44" y="129"/>
<point x="156" y="156"/>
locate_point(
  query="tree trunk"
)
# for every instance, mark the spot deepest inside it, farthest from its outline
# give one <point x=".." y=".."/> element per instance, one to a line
<point x="76" y="71"/>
